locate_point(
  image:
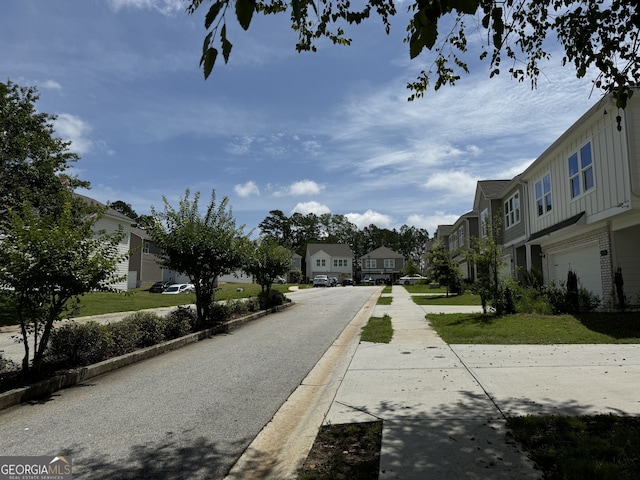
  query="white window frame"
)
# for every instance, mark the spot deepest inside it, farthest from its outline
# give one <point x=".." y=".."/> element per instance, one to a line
<point x="512" y="210"/>
<point x="544" y="197"/>
<point x="389" y="263"/>
<point x="370" y="263"/>
<point x="462" y="244"/>
<point x="146" y="248"/>
<point x="581" y="174"/>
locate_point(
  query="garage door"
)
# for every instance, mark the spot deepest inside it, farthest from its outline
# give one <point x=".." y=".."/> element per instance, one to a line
<point x="585" y="261"/>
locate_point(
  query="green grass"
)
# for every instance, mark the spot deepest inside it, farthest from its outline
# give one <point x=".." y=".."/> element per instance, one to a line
<point x="603" y="447"/>
<point x="386" y="289"/>
<point x="377" y="330"/>
<point x="384" y="300"/>
<point x="97" y="303"/>
<point x="421" y="288"/>
<point x="516" y="329"/>
<point x="464" y="299"/>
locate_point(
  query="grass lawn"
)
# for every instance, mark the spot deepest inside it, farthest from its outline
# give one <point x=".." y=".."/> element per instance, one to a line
<point x="384" y="300"/>
<point x="464" y="299"/>
<point x="537" y="329"/>
<point x="97" y="303"/>
<point x="588" y="447"/>
<point x="377" y="330"/>
<point x="420" y="288"/>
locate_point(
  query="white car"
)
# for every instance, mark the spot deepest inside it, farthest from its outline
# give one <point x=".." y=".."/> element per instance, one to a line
<point x="179" y="288"/>
<point x="321" y="281"/>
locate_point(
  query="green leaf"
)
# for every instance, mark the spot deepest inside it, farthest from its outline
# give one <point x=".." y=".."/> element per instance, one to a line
<point x="212" y="14"/>
<point x="244" y="12"/>
<point x="226" y="44"/>
<point x="209" y="61"/>
<point x="466" y="6"/>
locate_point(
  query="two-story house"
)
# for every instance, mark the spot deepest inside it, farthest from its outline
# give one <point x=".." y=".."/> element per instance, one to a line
<point x="583" y="200"/>
<point x="383" y="265"/>
<point x="144" y="266"/>
<point x="460" y="235"/>
<point x="331" y="259"/>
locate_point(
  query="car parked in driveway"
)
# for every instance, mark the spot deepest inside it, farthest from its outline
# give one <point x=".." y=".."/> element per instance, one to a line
<point x="159" y="287"/>
<point x="347" y="281"/>
<point x="177" y="288"/>
<point x="321" y="281"/>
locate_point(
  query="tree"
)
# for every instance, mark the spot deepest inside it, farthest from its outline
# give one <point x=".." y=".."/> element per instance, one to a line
<point x="442" y="268"/>
<point x="201" y="247"/>
<point x="595" y="35"/>
<point x="125" y="209"/>
<point x="32" y="160"/>
<point x="47" y="262"/>
<point x="49" y="253"/>
<point x="486" y="256"/>
<point x="266" y="261"/>
<point x="410" y="268"/>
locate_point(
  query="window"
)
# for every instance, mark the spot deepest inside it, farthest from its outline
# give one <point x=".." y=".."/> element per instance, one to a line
<point x="462" y="237"/>
<point x="340" y="262"/>
<point x="146" y="248"/>
<point x="389" y="263"/>
<point x="581" y="171"/>
<point x="320" y="262"/>
<point x="543" y="195"/>
<point x="484" y="222"/>
<point x="512" y="210"/>
<point x="370" y="263"/>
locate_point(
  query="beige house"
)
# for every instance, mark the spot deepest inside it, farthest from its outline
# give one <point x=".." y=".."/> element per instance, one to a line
<point x="331" y="259"/>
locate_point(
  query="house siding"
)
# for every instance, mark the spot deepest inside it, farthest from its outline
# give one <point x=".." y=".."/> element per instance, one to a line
<point x="110" y="225"/>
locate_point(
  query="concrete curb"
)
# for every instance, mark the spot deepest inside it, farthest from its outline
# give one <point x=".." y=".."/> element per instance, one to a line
<point x="75" y="376"/>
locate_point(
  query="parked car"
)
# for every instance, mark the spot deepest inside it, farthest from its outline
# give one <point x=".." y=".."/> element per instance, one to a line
<point x="347" y="281"/>
<point x="333" y="281"/>
<point x="179" y="288"/>
<point x="159" y="287"/>
<point x="410" y="279"/>
<point x="280" y="279"/>
<point x="321" y="281"/>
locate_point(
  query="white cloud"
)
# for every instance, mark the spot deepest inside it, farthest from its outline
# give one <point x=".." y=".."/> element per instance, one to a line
<point x="306" y="208"/>
<point x="431" y="222"/>
<point x="247" y="189"/>
<point x="51" y="85"/>
<point x="166" y="7"/>
<point x="74" y="129"/>
<point x="369" y="217"/>
<point x="452" y="181"/>
<point x="305" y="187"/>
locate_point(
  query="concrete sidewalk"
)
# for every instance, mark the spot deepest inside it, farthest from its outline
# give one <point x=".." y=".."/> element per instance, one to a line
<point x="444" y="407"/>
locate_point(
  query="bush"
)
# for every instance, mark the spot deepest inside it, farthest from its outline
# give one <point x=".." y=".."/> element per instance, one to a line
<point x="531" y="300"/>
<point x="563" y="301"/>
<point x="218" y="313"/>
<point x="274" y="299"/>
<point x="151" y="328"/>
<point x="7" y="365"/>
<point x="75" y="345"/>
<point x="125" y="335"/>
<point x="236" y="308"/>
<point x="180" y="322"/>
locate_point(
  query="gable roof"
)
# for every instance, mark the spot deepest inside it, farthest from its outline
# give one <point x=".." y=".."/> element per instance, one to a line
<point x="490" y="189"/>
<point x="384" y="252"/>
<point x="331" y="249"/>
<point x="110" y="212"/>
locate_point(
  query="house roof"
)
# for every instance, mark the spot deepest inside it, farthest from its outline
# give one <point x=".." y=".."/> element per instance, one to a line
<point x="383" y="252"/>
<point x="109" y="211"/>
<point x="443" y="230"/>
<point x="140" y="233"/>
<point x="331" y="249"/>
<point x="490" y="189"/>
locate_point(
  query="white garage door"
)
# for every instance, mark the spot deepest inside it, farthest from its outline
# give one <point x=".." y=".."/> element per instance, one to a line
<point x="585" y="261"/>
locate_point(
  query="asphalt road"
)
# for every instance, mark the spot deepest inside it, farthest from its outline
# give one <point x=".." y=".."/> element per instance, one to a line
<point x="189" y="413"/>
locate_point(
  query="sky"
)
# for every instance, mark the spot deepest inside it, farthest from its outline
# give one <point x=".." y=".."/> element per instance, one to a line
<point x="274" y="129"/>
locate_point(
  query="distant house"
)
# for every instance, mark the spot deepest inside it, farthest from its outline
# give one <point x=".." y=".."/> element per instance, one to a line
<point x="459" y="241"/>
<point x="110" y="222"/>
<point x="144" y="266"/>
<point x="382" y="265"/>
<point x="332" y="259"/>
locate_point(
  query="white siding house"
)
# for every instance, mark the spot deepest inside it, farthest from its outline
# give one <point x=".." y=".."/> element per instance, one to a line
<point x="583" y="200"/>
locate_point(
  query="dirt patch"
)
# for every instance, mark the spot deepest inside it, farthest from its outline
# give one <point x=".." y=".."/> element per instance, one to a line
<point x="348" y="451"/>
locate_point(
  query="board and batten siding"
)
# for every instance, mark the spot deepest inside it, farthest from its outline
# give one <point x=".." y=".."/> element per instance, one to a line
<point x="110" y="225"/>
<point x="610" y="168"/>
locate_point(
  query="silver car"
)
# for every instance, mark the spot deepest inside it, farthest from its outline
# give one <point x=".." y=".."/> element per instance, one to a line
<point x="321" y="281"/>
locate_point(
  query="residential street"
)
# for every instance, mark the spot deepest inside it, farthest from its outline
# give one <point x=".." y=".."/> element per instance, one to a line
<point x="188" y="413"/>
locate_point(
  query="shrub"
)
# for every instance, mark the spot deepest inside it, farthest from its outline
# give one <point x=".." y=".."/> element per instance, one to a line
<point x="151" y="328"/>
<point x="236" y="308"/>
<point x="274" y="299"/>
<point x="582" y="301"/>
<point x="125" y="335"/>
<point x="219" y="313"/>
<point x="7" y="365"/>
<point x="252" y="304"/>
<point x="180" y="322"/>
<point x="75" y="345"/>
<point x="531" y="300"/>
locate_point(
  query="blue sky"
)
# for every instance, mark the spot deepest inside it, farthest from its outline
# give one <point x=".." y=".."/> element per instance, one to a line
<point x="321" y="132"/>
